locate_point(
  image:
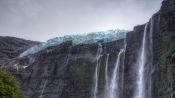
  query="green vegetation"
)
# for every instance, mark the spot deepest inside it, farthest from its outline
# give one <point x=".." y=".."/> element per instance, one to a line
<point x="3" y="45"/>
<point x="171" y="52"/>
<point x="165" y="68"/>
<point x="8" y="86"/>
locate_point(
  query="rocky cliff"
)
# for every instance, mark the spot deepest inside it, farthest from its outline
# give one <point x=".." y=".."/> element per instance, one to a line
<point x="164" y="51"/>
<point x="67" y="70"/>
<point x="162" y="25"/>
<point x="11" y="47"/>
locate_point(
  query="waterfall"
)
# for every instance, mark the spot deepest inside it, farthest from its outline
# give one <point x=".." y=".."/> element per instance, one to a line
<point x="96" y="75"/>
<point x="68" y="57"/>
<point x="150" y="71"/>
<point x="106" y="76"/>
<point x="144" y="73"/>
<point x="114" y="87"/>
<point x="123" y="68"/>
<point x="140" y="92"/>
<point x="41" y="96"/>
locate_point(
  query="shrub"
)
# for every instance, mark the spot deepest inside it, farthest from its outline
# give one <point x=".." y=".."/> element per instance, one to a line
<point x="9" y="88"/>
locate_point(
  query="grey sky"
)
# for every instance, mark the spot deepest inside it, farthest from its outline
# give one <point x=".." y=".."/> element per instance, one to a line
<point x="44" y="19"/>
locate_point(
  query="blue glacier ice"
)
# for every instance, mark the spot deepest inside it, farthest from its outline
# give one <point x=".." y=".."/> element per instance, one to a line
<point x="93" y="37"/>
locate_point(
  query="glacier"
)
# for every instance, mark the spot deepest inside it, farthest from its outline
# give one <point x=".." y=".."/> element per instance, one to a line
<point x="93" y="37"/>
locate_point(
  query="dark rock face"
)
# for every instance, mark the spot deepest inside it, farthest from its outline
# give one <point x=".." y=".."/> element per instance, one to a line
<point x="67" y="71"/>
<point x="164" y="49"/>
<point x="134" y="40"/>
<point x="163" y="70"/>
<point x="11" y="47"/>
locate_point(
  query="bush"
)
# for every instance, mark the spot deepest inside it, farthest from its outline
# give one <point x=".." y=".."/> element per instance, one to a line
<point x="8" y="86"/>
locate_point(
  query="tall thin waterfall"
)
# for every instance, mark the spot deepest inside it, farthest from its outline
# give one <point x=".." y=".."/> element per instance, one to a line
<point x="41" y="96"/>
<point x="140" y="93"/>
<point x="96" y="75"/>
<point x="123" y="68"/>
<point x="150" y="71"/>
<point x="106" y="76"/>
<point x="144" y="85"/>
<point x="114" y="87"/>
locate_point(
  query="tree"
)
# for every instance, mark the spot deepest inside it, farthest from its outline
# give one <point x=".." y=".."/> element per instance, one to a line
<point x="9" y="88"/>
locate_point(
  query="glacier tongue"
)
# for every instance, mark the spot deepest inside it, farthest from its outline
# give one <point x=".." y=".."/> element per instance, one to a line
<point x="106" y="36"/>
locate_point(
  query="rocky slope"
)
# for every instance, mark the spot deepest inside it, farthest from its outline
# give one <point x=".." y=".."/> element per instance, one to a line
<point x="11" y="47"/>
<point x="67" y="71"/>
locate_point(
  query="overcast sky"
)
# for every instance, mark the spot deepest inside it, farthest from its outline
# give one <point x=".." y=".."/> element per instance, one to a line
<point x="44" y="19"/>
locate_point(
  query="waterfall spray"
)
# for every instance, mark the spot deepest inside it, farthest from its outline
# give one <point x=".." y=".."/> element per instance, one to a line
<point x="144" y="79"/>
<point x="41" y="96"/>
<point x="96" y="75"/>
<point x="106" y="76"/>
<point x="140" y="92"/>
<point x="123" y="67"/>
<point x="114" y="86"/>
<point x="150" y="71"/>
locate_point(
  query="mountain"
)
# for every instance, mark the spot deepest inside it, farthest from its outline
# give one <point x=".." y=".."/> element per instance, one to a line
<point x="140" y="65"/>
<point x="67" y="69"/>
<point x="163" y="72"/>
<point x="11" y="47"/>
<point x="94" y="37"/>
